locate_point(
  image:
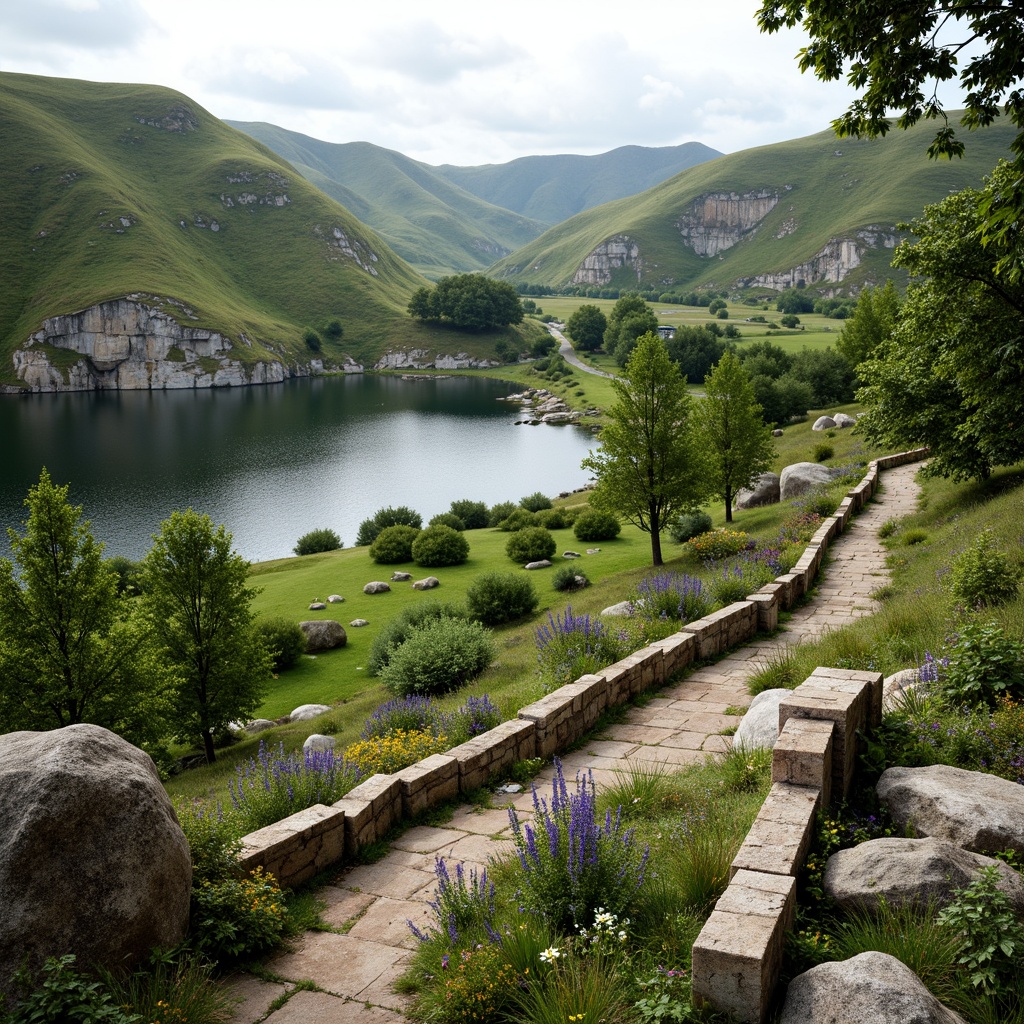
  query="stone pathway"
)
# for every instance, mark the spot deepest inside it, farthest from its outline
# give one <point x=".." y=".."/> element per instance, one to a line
<point x="370" y="904"/>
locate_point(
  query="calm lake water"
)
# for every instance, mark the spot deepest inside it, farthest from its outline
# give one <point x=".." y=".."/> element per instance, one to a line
<point x="272" y="463"/>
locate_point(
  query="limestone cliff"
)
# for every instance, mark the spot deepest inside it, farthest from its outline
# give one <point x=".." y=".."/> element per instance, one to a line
<point x="421" y="359"/>
<point x="718" y="220"/>
<point x="601" y="263"/>
<point x="133" y="344"/>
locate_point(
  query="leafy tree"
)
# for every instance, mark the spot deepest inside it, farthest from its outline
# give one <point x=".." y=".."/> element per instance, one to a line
<point x="830" y="376"/>
<point x="385" y="517"/>
<point x="696" y="349"/>
<point x="781" y="398"/>
<point x="197" y="600"/>
<point x="795" y="300"/>
<point x="731" y="431"/>
<point x="871" y="323"/>
<point x="630" y="318"/>
<point x="468" y="302"/>
<point x="71" y="650"/>
<point x="648" y="468"/>
<point x="952" y="374"/>
<point x="764" y="358"/>
<point x="897" y="55"/>
<point x="789" y="320"/>
<point x="586" y="327"/>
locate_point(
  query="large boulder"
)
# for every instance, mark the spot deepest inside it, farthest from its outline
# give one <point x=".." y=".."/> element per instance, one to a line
<point x="843" y="421"/>
<point x="376" y="587"/>
<point x="92" y="858"/>
<point x="824" y="423"/>
<point x="323" y="635"/>
<point x="871" y="987"/>
<point x="972" y="810"/>
<point x="427" y="583"/>
<point x="903" y="871"/>
<point x="304" y="712"/>
<point x="802" y="477"/>
<point x="760" y="725"/>
<point x="765" y="491"/>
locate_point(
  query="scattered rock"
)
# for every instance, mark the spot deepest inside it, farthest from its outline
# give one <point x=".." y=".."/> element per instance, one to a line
<point x="359" y="622"/>
<point x="317" y="606"/>
<point x="903" y="871"/>
<point x="843" y="421"/>
<point x="428" y="583"/>
<point x="323" y="635"/>
<point x="377" y="587"/>
<point x="766" y="491"/>
<point x="622" y="608"/>
<point x="259" y="725"/>
<point x="92" y="858"/>
<point x="306" y="711"/>
<point x="401" y="577"/>
<point x="509" y="787"/>
<point x="571" y="554"/>
<point x="802" y="477"/>
<point x="543" y="563"/>
<point x="896" y="685"/>
<point x="970" y="809"/>
<point x="317" y="741"/>
<point x="778" y="432"/>
<point x="824" y="423"/>
<point x="593" y="551"/>
<point x="872" y="987"/>
<point x="335" y="599"/>
<point x="760" y="725"/>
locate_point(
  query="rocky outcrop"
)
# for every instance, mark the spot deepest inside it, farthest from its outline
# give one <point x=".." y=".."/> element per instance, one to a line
<point x="421" y="359"/>
<point x="719" y="220"/>
<point x="601" y="263"/>
<point x="765" y="490"/>
<point x="801" y="477"/>
<point x="834" y="262"/>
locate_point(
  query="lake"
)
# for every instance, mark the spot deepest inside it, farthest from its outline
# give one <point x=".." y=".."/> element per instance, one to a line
<point x="272" y="463"/>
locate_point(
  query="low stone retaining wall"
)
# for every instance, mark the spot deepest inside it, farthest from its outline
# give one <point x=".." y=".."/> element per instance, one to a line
<point x="305" y="843"/>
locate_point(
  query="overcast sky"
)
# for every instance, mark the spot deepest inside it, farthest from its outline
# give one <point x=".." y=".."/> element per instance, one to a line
<point x="456" y="81"/>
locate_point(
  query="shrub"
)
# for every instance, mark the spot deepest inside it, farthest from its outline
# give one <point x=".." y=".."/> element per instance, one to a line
<point x="823" y="452"/>
<point x="406" y="714"/>
<point x="393" y="545"/>
<point x="570" y="646"/>
<point x="718" y="544"/>
<point x="457" y="905"/>
<point x="530" y="545"/>
<point x="689" y="524"/>
<point x="448" y="519"/>
<point x="66" y="995"/>
<point x="214" y="840"/>
<point x="984" y="664"/>
<point x="595" y="525"/>
<point x="497" y="597"/>
<point x="983" y="577"/>
<point x="284" y="640"/>
<point x="552" y="518"/>
<point x="315" y="541"/>
<point x="237" y="917"/>
<point x="128" y="574"/>
<point x="440" y="545"/>
<point x="672" y="595"/>
<point x="572" y="863"/>
<point x="395" y="750"/>
<point x="476" y="716"/>
<point x="518" y="519"/>
<point x="312" y="339"/>
<point x="535" y="502"/>
<point x="441" y="655"/>
<point x="395" y="632"/>
<point x="911" y="537"/>
<point x="383" y="518"/>
<point x="568" y="578"/>
<point x="472" y="513"/>
<point x="502" y="510"/>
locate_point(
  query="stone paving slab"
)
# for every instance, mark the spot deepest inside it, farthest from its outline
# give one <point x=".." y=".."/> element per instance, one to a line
<point x="324" y="1008"/>
<point x="340" y="964"/>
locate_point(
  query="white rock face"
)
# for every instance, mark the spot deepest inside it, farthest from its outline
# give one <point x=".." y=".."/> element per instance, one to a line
<point x="719" y="220"/>
<point x="599" y="264"/>
<point x="421" y="359"/>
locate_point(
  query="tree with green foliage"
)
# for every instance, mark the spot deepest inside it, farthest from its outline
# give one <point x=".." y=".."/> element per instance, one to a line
<point x="648" y="468"/>
<point x="198" y="602"/>
<point x="731" y="430"/>
<point x="630" y="318"/>
<point x="830" y="376"/>
<point x="951" y="375"/>
<point x="870" y="324"/>
<point x="71" y="649"/>
<point x="794" y="301"/>
<point x="468" y="302"/>
<point x="696" y="348"/>
<point x="897" y="56"/>
<point x="586" y="327"/>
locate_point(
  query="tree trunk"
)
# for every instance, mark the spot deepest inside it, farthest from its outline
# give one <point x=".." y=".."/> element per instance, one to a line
<point x="211" y="754"/>
<point x="656" y="558"/>
<point x="728" y="504"/>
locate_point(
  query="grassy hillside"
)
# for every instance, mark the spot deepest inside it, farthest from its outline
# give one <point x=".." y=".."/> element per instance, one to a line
<point x="435" y="225"/>
<point x="554" y="188"/>
<point x="109" y="190"/>
<point x="828" y="189"/>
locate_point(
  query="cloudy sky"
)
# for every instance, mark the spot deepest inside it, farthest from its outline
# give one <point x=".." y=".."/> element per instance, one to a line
<point x="456" y="81"/>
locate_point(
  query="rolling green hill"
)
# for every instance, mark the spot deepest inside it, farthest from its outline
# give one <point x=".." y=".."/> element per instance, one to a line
<point x="553" y="188"/>
<point x="114" y="191"/>
<point x="435" y="225"/>
<point x="816" y="210"/>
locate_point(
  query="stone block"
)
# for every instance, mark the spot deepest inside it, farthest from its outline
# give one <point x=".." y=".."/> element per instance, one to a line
<point x="852" y="680"/>
<point x="802" y="755"/>
<point x="677" y="651"/>
<point x="760" y="895"/>
<point x="297" y="847"/>
<point x="371" y="809"/>
<point x="739" y="623"/>
<point x="427" y="783"/>
<point x="794" y="584"/>
<point x="781" y="835"/>
<point x="562" y="716"/>
<point x="490" y="753"/>
<point x="767" y="606"/>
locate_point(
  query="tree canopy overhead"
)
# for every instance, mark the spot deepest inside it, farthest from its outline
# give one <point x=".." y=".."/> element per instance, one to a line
<point x="897" y="56"/>
<point x="468" y="302"/>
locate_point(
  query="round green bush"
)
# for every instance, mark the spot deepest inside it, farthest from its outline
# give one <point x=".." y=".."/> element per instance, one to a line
<point x="393" y="545"/>
<point x="823" y="452"/>
<point x="552" y="518"/>
<point x="440" y="545"/>
<point x="497" y="597"/>
<point x="396" y="631"/>
<point x="383" y="518"/>
<point x="982" y="576"/>
<point x="473" y="514"/>
<point x="438" y="656"/>
<point x="315" y="541"/>
<point x="285" y="641"/>
<point x="594" y="525"/>
<point x="535" y="502"/>
<point x="689" y="524"/>
<point x="568" y="577"/>
<point x="518" y="520"/>
<point x="530" y="545"/>
<point x="501" y="511"/>
<point x="448" y="519"/>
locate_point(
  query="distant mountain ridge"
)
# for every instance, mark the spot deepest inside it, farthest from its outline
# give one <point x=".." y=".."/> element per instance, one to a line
<point x="450" y="219"/>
